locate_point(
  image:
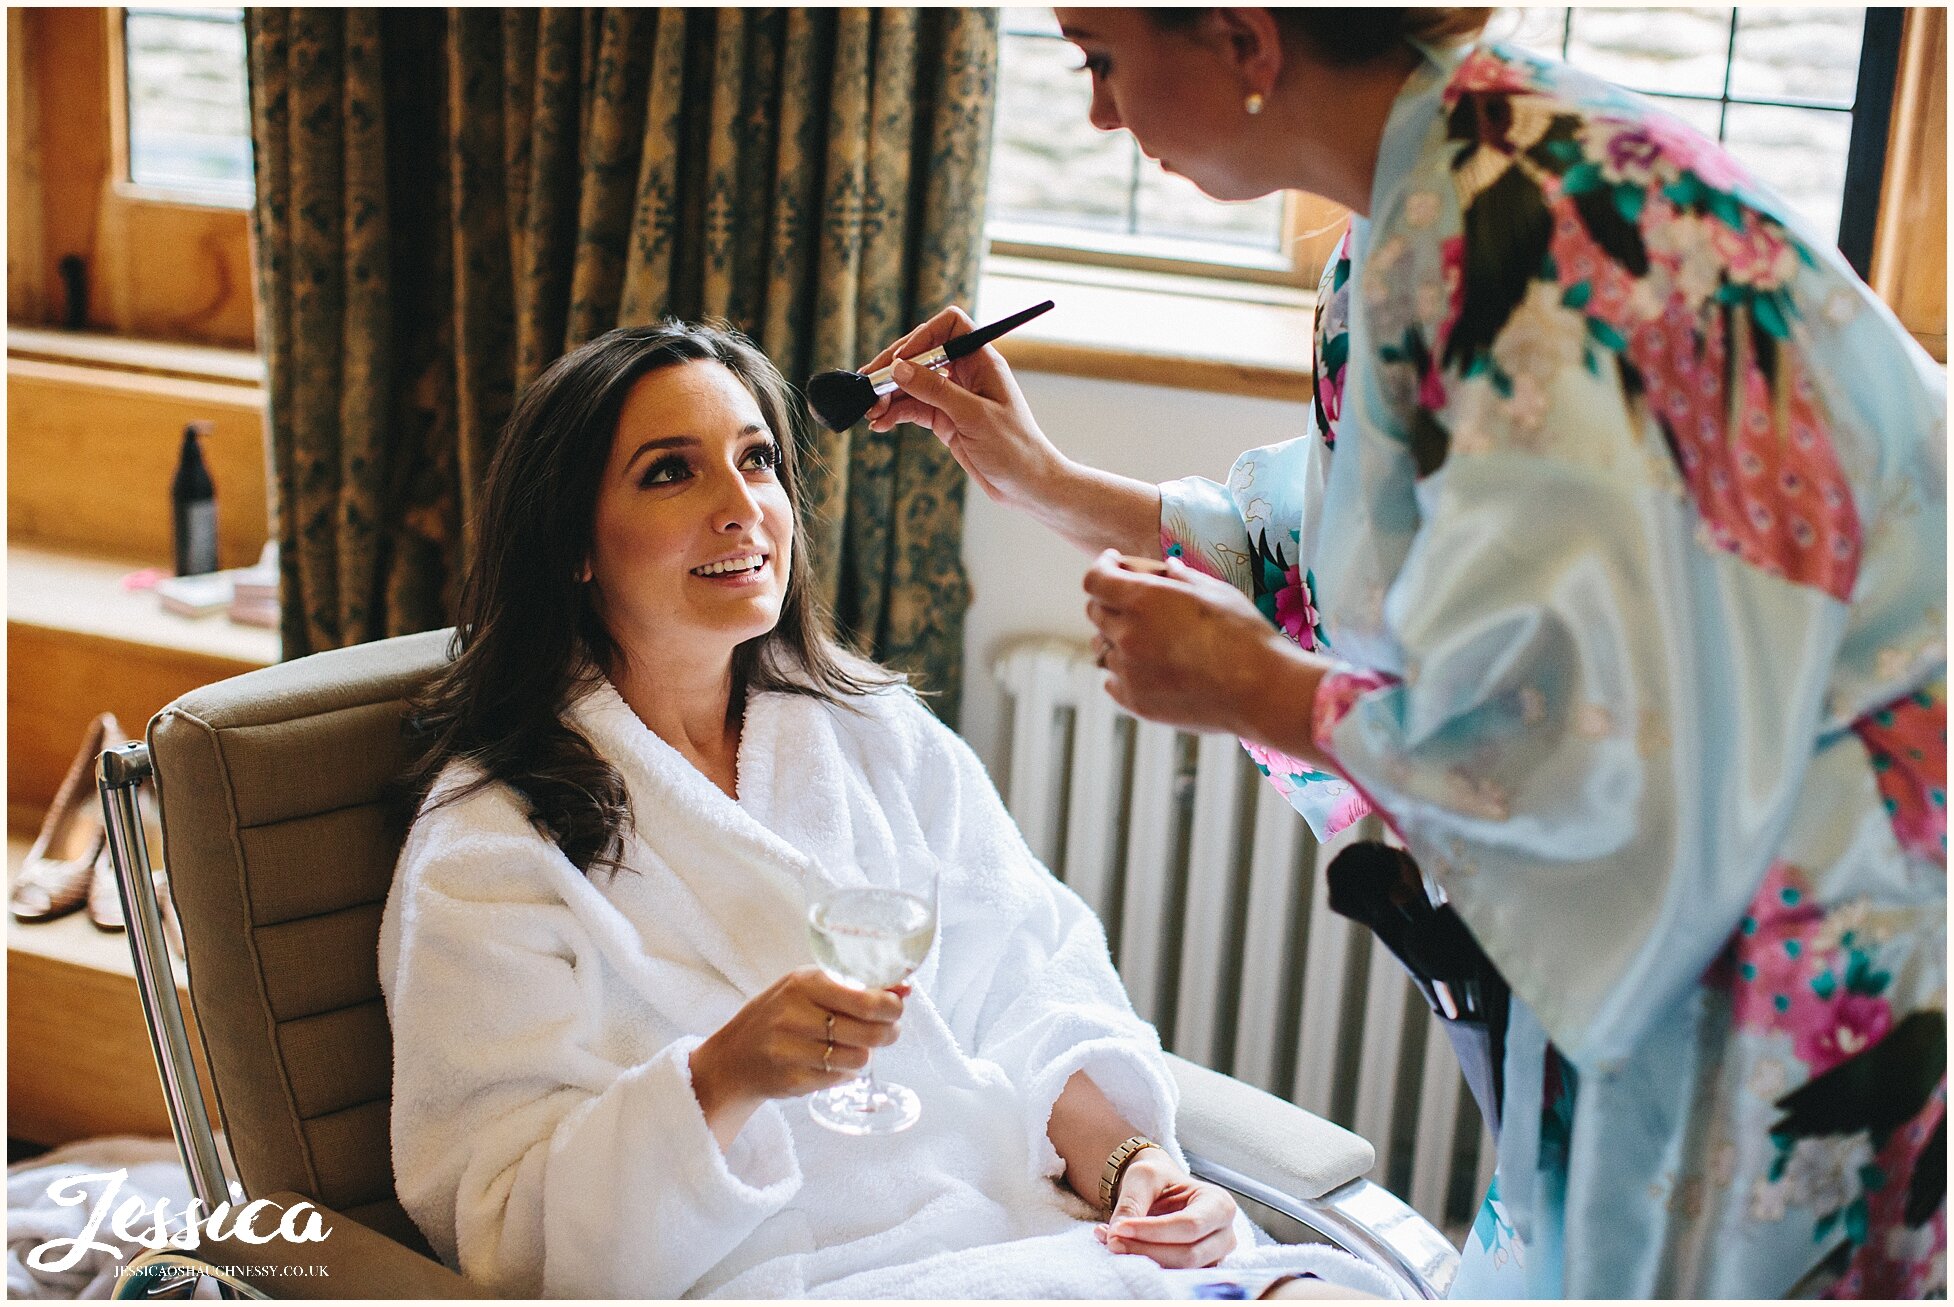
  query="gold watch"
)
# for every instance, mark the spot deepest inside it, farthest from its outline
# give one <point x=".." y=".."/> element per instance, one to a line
<point x="1116" y="1164"/>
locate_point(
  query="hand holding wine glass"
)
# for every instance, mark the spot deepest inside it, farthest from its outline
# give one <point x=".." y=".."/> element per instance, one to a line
<point x="806" y="1031"/>
<point x="873" y="938"/>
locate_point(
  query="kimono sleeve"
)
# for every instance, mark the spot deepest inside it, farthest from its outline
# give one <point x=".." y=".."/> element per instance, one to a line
<point x="1612" y="679"/>
<point x="1027" y="982"/>
<point x="1252" y="533"/>
<point x="537" y="1159"/>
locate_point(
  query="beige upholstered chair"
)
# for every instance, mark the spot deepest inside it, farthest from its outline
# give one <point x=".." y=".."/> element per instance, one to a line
<point x="279" y="835"/>
<point x="281" y="827"/>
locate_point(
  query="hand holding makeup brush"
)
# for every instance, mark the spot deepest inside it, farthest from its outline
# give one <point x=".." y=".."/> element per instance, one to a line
<point x="973" y="405"/>
<point x="976" y="409"/>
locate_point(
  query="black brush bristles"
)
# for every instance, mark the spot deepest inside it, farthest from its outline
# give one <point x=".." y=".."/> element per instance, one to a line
<point x="840" y="398"/>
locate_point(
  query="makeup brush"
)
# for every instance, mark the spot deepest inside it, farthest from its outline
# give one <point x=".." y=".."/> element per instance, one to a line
<point x="842" y="398"/>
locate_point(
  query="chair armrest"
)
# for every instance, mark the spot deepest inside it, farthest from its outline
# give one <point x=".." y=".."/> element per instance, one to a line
<point x="353" y="1262"/>
<point x="1311" y="1171"/>
<point x="1262" y="1137"/>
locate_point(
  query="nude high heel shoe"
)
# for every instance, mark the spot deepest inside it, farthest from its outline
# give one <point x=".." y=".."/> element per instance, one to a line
<point x="59" y="871"/>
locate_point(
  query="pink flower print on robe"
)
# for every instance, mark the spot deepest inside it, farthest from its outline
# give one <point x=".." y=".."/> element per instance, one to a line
<point x="1824" y="1035"/>
<point x="1712" y="164"/>
<point x="1758" y="255"/>
<point x="1329" y="392"/>
<point x="1762" y="471"/>
<point x="1653" y="150"/>
<point x="1296" y="609"/>
<point x="1451" y="263"/>
<point x="1483" y="73"/>
<point x="1779" y="980"/>
<point x="1336" y="694"/>
<point x="1289" y="774"/>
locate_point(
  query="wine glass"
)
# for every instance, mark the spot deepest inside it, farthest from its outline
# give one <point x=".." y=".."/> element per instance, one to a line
<point x="871" y="938"/>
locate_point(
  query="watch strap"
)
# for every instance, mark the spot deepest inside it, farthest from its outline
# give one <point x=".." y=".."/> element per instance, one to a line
<point x="1116" y="1163"/>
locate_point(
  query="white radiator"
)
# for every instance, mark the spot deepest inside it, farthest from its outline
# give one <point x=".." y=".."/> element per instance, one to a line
<point x="1214" y="898"/>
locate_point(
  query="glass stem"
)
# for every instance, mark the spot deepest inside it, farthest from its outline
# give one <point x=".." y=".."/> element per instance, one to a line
<point x="868" y="1079"/>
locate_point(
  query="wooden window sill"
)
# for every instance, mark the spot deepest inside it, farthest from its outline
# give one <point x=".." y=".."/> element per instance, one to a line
<point x="82" y="595"/>
<point x="157" y="358"/>
<point x="1154" y="329"/>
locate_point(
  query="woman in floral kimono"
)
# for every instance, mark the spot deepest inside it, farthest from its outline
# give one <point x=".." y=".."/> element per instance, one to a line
<point x="1610" y="574"/>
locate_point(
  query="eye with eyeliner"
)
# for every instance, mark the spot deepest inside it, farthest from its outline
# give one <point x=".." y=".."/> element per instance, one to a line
<point x="1096" y="64"/>
<point x="673" y="468"/>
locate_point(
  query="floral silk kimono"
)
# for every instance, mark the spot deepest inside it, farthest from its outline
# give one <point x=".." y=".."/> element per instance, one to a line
<point x="1623" y="518"/>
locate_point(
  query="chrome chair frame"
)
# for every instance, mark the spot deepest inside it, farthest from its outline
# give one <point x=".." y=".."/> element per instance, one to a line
<point x="1364" y="1219"/>
<point x="118" y="772"/>
<point x="1359" y="1216"/>
<point x="159" y="1272"/>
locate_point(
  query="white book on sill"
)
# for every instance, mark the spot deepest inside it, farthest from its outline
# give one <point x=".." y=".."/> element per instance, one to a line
<point x="196" y="596"/>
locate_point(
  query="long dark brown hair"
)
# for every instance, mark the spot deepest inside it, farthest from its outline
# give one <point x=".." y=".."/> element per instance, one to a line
<point x="529" y="640"/>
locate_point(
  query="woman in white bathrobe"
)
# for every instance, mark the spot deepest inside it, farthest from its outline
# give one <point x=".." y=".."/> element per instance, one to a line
<point x="646" y="757"/>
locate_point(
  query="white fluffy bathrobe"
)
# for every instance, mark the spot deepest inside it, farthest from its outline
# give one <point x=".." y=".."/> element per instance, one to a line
<point x="545" y="1134"/>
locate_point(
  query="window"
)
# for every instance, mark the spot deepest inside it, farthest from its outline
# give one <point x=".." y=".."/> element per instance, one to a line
<point x="129" y="174"/>
<point x="188" y="112"/>
<point x="1062" y="189"/>
<point x="1801" y="96"/>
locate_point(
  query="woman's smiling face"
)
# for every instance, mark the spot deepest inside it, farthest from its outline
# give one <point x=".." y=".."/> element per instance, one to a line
<point x="693" y="536"/>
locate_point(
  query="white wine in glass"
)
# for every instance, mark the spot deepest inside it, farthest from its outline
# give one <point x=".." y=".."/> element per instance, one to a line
<point x="870" y="938"/>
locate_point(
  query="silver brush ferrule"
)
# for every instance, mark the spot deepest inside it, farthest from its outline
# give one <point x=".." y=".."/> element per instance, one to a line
<point x="884" y="380"/>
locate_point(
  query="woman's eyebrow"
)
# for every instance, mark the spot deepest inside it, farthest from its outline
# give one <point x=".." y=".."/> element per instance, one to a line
<point x="1074" y="33"/>
<point x="685" y="442"/>
<point x="663" y="442"/>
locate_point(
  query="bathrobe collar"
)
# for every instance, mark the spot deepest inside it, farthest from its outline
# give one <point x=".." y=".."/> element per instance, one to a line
<point x="695" y="852"/>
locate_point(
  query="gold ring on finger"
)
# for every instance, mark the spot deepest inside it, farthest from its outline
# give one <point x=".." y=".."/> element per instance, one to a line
<point x="827" y="1055"/>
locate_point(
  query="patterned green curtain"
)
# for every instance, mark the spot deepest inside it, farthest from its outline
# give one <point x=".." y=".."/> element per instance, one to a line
<point x="448" y="200"/>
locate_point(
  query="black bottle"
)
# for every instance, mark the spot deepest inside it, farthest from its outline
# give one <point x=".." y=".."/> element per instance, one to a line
<point x="193" y="505"/>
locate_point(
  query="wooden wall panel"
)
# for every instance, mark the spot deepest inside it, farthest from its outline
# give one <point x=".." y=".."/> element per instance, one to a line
<point x="1910" y="248"/>
<point x="177" y="271"/>
<point x="57" y="681"/>
<point x="68" y="49"/>
<point x="24" y="252"/>
<point x="90" y="455"/>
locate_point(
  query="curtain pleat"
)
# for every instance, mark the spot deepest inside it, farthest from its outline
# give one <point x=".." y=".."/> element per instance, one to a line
<point x="486" y="247"/>
<point x="450" y="200"/>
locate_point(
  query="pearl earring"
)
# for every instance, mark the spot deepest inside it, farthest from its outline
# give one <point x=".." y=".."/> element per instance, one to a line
<point x="1253" y="104"/>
